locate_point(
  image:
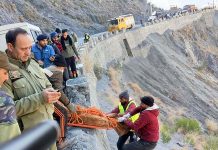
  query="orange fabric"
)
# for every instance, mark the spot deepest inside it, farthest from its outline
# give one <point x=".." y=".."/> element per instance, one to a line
<point x="91" y="118"/>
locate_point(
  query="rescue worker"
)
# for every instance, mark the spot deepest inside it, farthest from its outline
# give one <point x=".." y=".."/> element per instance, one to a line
<point x="146" y="127"/>
<point x="43" y="52"/>
<point x="86" y="37"/>
<point x="9" y="127"/>
<point x="69" y="52"/>
<point x="28" y="85"/>
<point x="126" y="105"/>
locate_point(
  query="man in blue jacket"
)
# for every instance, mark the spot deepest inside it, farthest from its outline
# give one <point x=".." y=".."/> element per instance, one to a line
<point x="43" y="52"/>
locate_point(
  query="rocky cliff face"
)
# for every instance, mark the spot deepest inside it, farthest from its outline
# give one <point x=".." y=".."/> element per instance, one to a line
<point x="80" y="16"/>
<point x="181" y="69"/>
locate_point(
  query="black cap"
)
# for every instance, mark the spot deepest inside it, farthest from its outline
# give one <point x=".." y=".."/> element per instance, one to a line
<point x="64" y="30"/>
<point x="148" y="100"/>
<point x="58" y="30"/>
<point x="42" y="37"/>
<point x="60" y="61"/>
<point x="124" y="94"/>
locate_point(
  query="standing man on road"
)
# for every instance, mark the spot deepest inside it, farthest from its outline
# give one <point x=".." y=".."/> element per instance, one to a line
<point x="69" y="52"/>
<point x="29" y="87"/>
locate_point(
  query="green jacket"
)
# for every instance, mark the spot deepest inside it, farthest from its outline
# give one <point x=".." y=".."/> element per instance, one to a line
<point x="70" y="51"/>
<point x="25" y="86"/>
<point x="9" y="127"/>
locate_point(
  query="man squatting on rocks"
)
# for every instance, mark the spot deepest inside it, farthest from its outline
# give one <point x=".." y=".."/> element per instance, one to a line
<point x="146" y="126"/>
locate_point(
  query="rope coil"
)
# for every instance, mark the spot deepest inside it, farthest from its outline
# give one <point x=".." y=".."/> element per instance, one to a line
<point x="91" y="118"/>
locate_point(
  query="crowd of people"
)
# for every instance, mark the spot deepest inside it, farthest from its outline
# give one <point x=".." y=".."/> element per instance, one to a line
<point x="32" y="89"/>
<point x="27" y="90"/>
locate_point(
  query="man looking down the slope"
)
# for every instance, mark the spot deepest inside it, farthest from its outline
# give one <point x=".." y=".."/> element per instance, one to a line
<point x="28" y="86"/>
<point x="126" y="105"/>
<point x="146" y="127"/>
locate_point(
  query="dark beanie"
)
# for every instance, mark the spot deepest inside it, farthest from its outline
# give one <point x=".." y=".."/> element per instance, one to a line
<point x="148" y="100"/>
<point x="58" y="30"/>
<point x="60" y="61"/>
<point x="53" y="34"/>
<point x="42" y="37"/>
<point x="64" y="30"/>
<point x="124" y="94"/>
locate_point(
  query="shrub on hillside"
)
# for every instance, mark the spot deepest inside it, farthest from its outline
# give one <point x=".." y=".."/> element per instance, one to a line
<point x="165" y="133"/>
<point x="188" y="125"/>
<point x="212" y="143"/>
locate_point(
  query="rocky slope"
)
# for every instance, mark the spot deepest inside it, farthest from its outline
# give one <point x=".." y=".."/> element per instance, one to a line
<point x="178" y="68"/>
<point x="79" y="16"/>
<point x="181" y="69"/>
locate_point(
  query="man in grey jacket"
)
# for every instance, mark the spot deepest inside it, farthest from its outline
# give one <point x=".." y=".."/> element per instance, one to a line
<point x="69" y="52"/>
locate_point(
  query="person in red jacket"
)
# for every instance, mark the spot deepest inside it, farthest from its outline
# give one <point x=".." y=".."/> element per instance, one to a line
<point x="146" y="127"/>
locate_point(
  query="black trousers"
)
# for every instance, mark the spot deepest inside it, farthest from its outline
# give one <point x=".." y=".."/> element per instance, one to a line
<point x="140" y="145"/>
<point x="66" y="74"/>
<point x="71" y="64"/>
<point x="122" y="140"/>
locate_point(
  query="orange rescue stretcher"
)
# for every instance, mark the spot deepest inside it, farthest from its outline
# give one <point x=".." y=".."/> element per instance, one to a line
<point x="91" y="117"/>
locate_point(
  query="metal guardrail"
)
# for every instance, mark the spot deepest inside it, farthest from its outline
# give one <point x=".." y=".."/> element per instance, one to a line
<point x="40" y="137"/>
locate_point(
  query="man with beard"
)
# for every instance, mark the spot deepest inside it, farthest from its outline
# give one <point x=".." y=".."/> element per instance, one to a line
<point x="43" y="52"/>
<point x="146" y="127"/>
<point x="126" y="106"/>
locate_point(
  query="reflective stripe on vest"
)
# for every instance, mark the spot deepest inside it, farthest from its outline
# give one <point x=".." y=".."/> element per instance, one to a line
<point x="122" y="111"/>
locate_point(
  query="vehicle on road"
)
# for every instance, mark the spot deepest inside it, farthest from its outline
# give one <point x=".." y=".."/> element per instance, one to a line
<point x="32" y="30"/>
<point x="190" y="8"/>
<point x="121" y="23"/>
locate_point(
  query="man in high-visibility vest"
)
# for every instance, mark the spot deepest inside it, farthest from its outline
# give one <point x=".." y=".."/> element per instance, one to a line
<point x="126" y="106"/>
<point x="86" y="37"/>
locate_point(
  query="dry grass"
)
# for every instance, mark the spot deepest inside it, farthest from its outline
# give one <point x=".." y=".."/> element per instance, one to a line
<point x="175" y="113"/>
<point x="214" y="102"/>
<point x="212" y="125"/>
<point x="114" y="77"/>
<point x="111" y="98"/>
<point x="88" y="63"/>
<point x="187" y="31"/>
<point x="211" y="49"/>
<point x="136" y="88"/>
<point x="196" y="140"/>
<point x="207" y="77"/>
